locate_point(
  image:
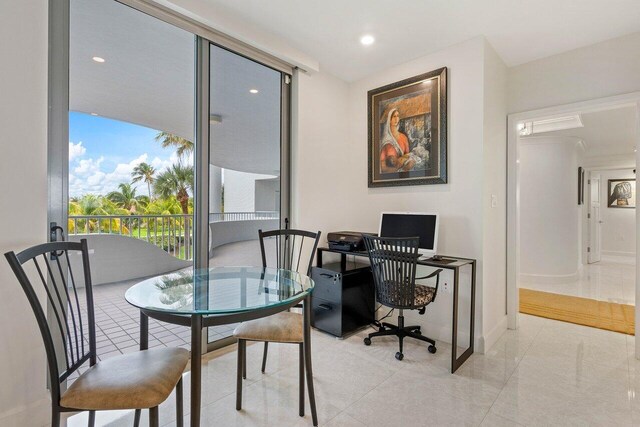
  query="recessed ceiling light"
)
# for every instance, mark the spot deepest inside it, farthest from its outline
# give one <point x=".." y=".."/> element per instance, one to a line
<point x="367" y="40"/>
<point x="98" y="59"/>
<point x="253" y="90"/>
<point x="94" y="114"/>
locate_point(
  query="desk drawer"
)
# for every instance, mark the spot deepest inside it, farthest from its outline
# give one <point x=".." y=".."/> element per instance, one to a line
<point x="328" y="284"/>
<point x="326" y="316"/>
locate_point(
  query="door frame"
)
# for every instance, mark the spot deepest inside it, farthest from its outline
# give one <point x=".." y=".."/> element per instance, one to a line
<point x="591" y="220"/>
<point x="513" y="189"/>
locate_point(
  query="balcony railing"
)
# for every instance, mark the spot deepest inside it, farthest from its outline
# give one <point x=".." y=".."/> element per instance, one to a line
<point x="171" y="233"/>
<point x="242" y="216"/>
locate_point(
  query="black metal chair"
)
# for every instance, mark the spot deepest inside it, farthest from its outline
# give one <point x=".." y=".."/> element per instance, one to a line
<point x="138" y="380"/>
<point x="290" y="250"/>
<point x="393" y="263"/>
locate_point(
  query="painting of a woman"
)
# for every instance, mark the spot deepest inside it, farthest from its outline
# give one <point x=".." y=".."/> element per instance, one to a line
<point x="394" y="147"/>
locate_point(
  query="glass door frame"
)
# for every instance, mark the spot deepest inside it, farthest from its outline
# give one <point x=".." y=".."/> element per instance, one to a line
<point x="58" y="120"/>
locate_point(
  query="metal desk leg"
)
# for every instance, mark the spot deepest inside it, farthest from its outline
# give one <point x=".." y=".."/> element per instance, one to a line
<point x="456" y="361"/>
<point x="196" y="368"/>
<point x="307" y="358"/>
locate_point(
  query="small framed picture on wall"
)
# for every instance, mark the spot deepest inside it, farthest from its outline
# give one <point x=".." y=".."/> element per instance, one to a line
<point x="622" y="193"/>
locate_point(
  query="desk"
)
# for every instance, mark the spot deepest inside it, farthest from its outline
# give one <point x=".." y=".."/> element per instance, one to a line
<point x="448" y="263"/>
<point x="218" y="296"/>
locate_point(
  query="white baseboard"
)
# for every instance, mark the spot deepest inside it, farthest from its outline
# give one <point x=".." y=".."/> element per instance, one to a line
<point x="484" y="343"/>
<point x="36" y="413"/>
<point x="548" y="278"/>
<point x="619" y="253"/>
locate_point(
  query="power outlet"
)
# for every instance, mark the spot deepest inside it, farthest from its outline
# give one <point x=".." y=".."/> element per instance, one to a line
<point x="447" y="288"/>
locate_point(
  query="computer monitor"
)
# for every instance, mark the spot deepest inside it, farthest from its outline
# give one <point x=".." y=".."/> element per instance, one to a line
<point x="411" y="224"/>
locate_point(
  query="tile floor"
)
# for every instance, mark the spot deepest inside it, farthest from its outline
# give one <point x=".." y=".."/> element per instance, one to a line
<point x="612" y="279"/>
<point x="545" y="373"/>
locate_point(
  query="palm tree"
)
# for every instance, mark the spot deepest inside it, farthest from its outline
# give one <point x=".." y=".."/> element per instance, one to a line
<point x="126" y="198"/>
<point x="144" y="172"/>
<point x="177" y="180"/>
<point x="183" y="146"/>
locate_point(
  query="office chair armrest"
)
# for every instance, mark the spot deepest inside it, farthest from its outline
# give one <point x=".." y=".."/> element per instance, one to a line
<point x="435" y="273"/>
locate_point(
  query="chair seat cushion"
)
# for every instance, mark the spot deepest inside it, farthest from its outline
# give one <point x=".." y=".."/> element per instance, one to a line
<point x="281" y="327"/>
<point x="143" y="379"/>
<point x="424" y="294"/>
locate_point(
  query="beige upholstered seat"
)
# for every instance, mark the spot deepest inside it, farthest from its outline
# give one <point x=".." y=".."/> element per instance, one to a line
<point x="143" y="379"/>
<point x="282" y="327"/>
<point x="424" y="295"/>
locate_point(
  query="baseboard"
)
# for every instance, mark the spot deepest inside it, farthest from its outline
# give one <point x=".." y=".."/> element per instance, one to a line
<point x="36" y="413"/>
<point x="619" y="253"/>
<point x="488" y="340"/>
<point x="548" y="278"/>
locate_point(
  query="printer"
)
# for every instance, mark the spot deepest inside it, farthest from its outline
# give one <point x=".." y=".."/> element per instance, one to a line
<point x="348" y="241"/>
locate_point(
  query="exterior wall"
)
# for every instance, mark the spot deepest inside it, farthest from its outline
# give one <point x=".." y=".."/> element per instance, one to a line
<point x="224" y="232"/>
<point x="267" y="197"/>
<point x="116" y="258"/>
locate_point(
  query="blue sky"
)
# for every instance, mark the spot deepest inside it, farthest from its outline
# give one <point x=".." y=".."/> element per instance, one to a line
<point x="103" y="152"/>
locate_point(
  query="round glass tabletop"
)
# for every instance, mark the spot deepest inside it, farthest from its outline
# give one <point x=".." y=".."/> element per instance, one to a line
<point x="219" y="290"/>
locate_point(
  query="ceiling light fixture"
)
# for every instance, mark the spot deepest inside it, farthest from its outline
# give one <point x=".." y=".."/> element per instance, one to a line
<point x="253" y="90"/>
<point x="98" y="59"/>
<point x="367" y="40"/>
<point x="94" y="114"/>
<point x="215" y="119"/>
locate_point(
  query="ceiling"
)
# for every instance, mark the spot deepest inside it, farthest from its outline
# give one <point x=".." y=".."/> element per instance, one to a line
<point x="148" y="79"/>
<point x="519" y="30"/>
<point x="606" y="133"/>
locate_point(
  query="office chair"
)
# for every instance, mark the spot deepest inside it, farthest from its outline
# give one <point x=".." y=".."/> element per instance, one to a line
<point x="137" y="380"/>
<point x="393" y="264"/>
<point x="291" y="248"/>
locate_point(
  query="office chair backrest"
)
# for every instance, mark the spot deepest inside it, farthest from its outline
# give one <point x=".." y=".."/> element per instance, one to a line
<point x="393" y="263"/>
<point x="289" y="249"/>
<point x="72" y="321"/>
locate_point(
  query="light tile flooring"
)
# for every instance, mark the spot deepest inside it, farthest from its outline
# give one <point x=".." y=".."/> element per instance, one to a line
<point x="612" y="279"/>
<point x="545" y="373"/>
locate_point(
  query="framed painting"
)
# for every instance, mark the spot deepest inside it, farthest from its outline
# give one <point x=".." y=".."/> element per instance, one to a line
<point x="408" y="131"/>
<point x="622" y="193"/>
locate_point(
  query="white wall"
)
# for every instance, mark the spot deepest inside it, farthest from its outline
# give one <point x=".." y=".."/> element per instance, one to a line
<point x="618" y="225"/>
<point x="494" y="187"/>
<point x="23" y="185"/>
<point x="550" y="225"/>
<point x="330" y="160"/>
<point x="240" y="190"/>
<point x="603" y="69"/>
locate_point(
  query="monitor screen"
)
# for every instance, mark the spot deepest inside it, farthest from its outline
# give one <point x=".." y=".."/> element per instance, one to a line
<point x="422" y="225"/>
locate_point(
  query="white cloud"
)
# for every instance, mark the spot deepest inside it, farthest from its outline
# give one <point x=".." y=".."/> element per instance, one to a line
<point x="76" y="150"/>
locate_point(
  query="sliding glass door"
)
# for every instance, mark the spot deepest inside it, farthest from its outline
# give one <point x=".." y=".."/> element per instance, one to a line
<point x="246" y="117"/>
<point x="166" y="152"/>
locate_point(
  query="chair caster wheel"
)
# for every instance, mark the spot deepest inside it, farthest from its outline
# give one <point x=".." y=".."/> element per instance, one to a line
<point x="399" y="356"/>
<point x="432" y="349"/>
<point x="367" y="341"/>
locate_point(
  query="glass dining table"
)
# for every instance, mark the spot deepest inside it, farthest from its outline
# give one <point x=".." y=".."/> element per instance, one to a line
<point x="219" y="296"/>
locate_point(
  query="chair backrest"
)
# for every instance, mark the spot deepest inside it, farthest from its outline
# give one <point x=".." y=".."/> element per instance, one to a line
<point x="290" y="249"/>
<point x="71" y="317"/>
<point x="393" y="263"/>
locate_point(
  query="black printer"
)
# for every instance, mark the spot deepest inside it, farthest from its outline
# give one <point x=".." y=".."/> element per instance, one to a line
<point x="347" y="240"/>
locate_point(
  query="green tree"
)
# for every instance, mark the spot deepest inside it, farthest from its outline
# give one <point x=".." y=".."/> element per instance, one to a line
<point x="126" y="197"/>
<point x="178" y="181"/>
<point x="184" y="147"/>
<point x="144" y="172"/>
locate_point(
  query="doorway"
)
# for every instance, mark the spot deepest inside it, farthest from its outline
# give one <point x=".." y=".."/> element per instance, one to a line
<point x="575" y="152"/>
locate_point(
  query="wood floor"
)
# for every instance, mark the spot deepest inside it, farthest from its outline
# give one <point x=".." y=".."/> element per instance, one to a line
<point x="582" y="311"/>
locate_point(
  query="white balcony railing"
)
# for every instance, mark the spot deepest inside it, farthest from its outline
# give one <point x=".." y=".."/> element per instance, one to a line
<point x="172" y="233"/>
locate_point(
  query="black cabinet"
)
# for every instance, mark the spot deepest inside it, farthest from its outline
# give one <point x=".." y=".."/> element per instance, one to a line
<point x="343" y="300"/>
